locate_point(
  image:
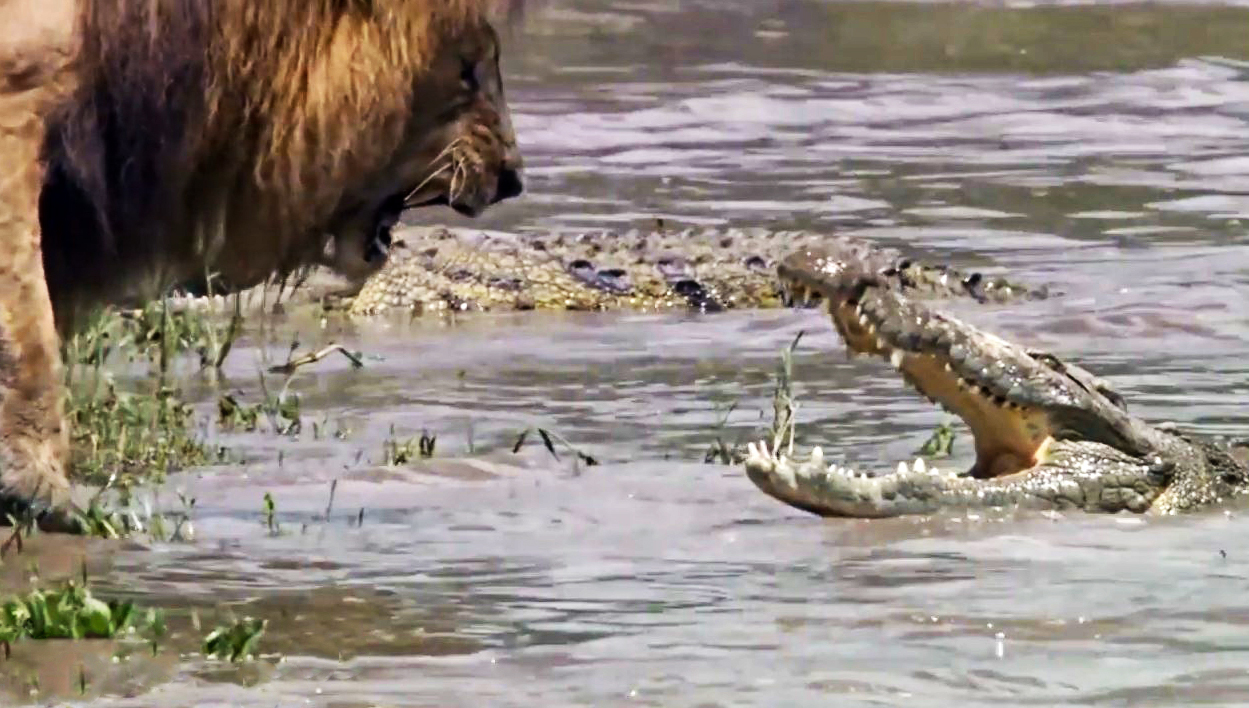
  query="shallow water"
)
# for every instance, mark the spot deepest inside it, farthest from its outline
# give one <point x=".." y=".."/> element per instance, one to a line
<point x="1099" y="148"/>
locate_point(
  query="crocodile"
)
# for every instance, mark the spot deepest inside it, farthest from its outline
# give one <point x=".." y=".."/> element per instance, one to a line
<point x="1048" y="434"/>
<point x="704" y="269"/>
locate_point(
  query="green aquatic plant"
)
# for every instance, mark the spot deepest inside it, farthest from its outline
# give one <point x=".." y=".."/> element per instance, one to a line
<point x="129" y="518"/>
<point x="784" y="409"/>
<point x="719" y="451"/>
<point x="940" y="443"/>
<point x="235" y="641"/>
<point x="270" y="511"/>
<point x="401" y="452"/>
<point x="72" y="611"/>
<point x="132" y="437"/>
<point x="156" y="333"/>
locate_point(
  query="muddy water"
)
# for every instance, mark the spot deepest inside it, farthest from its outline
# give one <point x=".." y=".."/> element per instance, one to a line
<point x="1099" y="148"/>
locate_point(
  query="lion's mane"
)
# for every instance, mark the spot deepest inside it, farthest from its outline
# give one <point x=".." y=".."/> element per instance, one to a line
<point x="223" y="133"/>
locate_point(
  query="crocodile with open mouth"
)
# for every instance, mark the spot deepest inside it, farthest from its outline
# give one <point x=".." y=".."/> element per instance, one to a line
<point x="1048" y="434"/>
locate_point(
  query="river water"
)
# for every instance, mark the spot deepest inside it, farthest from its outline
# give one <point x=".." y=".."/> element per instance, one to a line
<point x="1099" y="148"/>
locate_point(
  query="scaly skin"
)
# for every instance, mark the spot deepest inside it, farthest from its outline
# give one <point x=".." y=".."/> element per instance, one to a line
<point x="1048" y="435"/>
<point x="706" y="270"/>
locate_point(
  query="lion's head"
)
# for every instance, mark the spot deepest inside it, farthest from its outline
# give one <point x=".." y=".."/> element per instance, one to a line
<point x="463" y="156"/>
<point x="250" y="138"/>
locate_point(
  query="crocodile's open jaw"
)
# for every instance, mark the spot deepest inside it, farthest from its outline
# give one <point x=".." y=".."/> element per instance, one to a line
<point x="1048" y="433"/>
<point x="1010" y="434"/>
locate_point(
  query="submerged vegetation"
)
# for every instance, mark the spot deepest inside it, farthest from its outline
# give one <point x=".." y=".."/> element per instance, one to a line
<point x="121" y="439"/>
<point x="235" y="641"/>
<point x="127" y="438"/>
<point x="124" y="438"/>
<point x="779" y="431"/>
<point x="72" y="612"/>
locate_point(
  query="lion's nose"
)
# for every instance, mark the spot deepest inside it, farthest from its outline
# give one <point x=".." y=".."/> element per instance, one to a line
<point x="510" y="184"/>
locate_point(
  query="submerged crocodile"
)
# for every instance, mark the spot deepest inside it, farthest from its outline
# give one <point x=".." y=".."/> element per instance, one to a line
<point x="706" y="270"/>
<point x="1048" y="434"/>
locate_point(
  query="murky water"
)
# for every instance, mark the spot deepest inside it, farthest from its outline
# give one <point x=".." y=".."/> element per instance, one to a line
<point x="1101" y="148"/>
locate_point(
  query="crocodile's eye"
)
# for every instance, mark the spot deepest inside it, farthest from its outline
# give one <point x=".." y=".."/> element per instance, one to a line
<point x="689" y="288"/>
<point x="1159" y="466"/>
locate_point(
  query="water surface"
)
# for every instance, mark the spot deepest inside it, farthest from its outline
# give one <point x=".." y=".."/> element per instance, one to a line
<point x="1100" y="148"/>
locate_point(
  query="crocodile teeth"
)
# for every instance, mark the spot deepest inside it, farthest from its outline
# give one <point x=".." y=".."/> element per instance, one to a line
<point x="919" y="466"/>
<point x="817" y="456"/>
<point x="902" y="468"/>
<point x="863" y="320"/>
<point x="760" y="450"/>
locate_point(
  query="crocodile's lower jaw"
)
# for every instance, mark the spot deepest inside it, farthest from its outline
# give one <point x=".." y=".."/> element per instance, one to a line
<point x="1084" y="475"/>
<point x="831" y="490"/>
<point x="826" y="489"/>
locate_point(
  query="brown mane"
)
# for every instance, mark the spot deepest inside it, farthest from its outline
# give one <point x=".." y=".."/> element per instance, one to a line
<point x="272" y="105"/>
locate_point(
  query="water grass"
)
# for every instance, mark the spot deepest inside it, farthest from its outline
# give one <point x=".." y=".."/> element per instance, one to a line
<point x="130" y="437"/>
<point x="72" y="611"/>
<point x="784" y="415"/>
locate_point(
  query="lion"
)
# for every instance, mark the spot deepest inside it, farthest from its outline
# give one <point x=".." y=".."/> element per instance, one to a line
<point x="148" y="142"/>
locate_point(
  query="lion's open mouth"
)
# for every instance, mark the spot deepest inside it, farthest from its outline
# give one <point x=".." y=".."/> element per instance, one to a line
<point x="381" y="238"/>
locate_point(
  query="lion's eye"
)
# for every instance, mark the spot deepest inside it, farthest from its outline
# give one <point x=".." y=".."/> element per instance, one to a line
<point x="468" y="75"/>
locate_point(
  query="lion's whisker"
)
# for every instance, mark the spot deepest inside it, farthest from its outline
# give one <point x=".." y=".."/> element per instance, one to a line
<point x="442" y="154"/>
<point x="458" y="179"/>
<point x="408" y="199"/>
<point x="447" y="150"/>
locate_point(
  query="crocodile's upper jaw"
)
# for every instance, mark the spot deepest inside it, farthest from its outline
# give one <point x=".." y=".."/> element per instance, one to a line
<point x="1010" y="436"/>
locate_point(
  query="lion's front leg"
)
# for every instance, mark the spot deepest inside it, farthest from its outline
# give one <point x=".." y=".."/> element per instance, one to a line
<point x="33" y="435"/>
